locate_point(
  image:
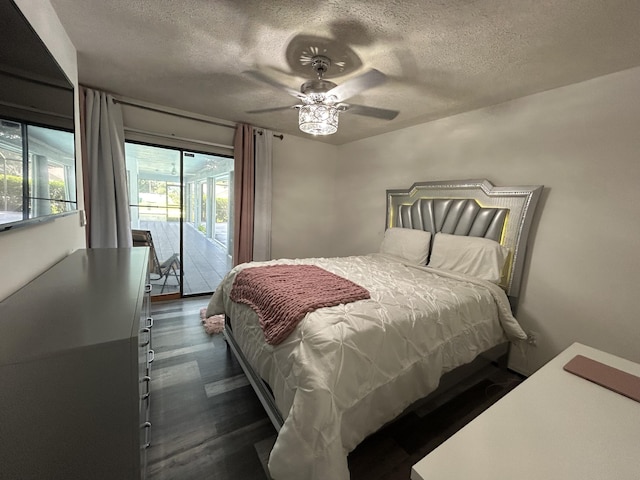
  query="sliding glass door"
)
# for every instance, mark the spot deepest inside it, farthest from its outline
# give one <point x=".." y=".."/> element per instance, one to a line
<point x="206" y="222"/>
<point x="182" y="199"/>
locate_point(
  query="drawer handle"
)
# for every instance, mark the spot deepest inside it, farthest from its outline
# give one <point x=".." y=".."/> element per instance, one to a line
<point x="146" y="330"/>
<point x="151" y="354"/>
<point x="149" y="322"/>
<point x="146" y="426"/>
<point x="147" y="288"/>
<point x="146" y="379"/>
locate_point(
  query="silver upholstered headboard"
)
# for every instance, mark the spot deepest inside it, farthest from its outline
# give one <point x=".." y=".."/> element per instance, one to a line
<point x="473" y="208"/>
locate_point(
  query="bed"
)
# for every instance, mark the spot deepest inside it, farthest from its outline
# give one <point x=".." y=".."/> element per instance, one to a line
<point x="442" y="290"/>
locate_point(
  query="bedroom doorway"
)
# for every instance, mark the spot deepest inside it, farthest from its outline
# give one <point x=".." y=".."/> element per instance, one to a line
<point x="180" y="197"/>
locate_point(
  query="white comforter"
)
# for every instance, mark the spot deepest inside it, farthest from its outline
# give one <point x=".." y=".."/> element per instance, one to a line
<point x="347" y="370"/>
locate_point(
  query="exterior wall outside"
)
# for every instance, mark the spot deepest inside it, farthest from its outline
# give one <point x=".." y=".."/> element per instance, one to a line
<point x="26" y="252"/>
<point x="582" y="143"/>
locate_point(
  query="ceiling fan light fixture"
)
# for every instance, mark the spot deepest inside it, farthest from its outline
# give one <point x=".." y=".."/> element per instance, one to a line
<point x="318" y="119"/>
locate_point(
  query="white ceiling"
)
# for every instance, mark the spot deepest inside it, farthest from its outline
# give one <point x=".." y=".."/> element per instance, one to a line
<point x="441" y="57"/>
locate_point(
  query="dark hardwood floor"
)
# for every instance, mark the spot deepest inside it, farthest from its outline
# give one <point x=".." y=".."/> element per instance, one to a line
<point x="207" y="422"/>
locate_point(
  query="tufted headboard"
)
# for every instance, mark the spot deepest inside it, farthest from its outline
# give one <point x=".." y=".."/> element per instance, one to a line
<point x="473" y="208"/>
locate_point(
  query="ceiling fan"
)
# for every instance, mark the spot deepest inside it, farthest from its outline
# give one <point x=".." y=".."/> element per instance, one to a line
<point x="323" y="100"/>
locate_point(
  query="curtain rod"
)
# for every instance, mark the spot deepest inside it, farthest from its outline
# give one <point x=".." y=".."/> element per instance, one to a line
<point x="145" y="106"/>
<point x="173" y="137"/>
<point x="260" y="132"/>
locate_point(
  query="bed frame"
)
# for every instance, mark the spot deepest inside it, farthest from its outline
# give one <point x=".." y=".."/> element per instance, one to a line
<point x="474" y="208"/>
<point x="461" y="207"/>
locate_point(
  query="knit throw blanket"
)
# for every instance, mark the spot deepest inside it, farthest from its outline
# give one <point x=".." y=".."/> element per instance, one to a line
<point x="282" y="295"/>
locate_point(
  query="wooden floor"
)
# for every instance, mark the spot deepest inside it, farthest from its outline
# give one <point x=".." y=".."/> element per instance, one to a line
<point x="207" y="422"/>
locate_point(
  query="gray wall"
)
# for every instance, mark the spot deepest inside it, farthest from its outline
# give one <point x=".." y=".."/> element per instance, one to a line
<point x="304" y="198"/>
<point x="582" y="143"/>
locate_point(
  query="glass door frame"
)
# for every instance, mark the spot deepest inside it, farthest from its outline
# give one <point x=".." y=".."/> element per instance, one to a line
<point x="190" y="205"/>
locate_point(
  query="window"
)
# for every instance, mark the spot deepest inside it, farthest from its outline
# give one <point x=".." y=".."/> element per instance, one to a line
<point x="37" y="176"/>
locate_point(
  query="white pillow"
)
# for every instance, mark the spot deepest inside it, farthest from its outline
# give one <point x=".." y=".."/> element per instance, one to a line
<point x="407" y="243"/>
<point x="480" y="257"/>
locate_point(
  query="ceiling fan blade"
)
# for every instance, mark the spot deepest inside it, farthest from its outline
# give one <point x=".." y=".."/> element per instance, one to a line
<point x="274" y="109"/>
<point x="358" y="84"/>
<point x="263" y="77"/>
<point x="381" y="113"/>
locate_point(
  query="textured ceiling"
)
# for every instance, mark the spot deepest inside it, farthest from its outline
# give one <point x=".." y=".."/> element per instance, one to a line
<point x="441" y="57"/>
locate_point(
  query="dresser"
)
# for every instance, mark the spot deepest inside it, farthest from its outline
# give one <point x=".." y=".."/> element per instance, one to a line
<point x="554" y="425"/>
<point x="75" y="365"/>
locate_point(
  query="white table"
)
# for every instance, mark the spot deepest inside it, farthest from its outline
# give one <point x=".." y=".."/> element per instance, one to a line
<point x="555" y="425"/>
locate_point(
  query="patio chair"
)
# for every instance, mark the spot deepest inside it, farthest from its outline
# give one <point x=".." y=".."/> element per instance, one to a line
<point x="157" y="270"/>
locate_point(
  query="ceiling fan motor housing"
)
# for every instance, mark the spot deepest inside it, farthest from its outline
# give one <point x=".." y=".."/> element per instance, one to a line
<point x="317" y="86"/>
<point x="315" y="89"/>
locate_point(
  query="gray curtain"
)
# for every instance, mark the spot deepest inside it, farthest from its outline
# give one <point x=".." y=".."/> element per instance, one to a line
<point x="105" y="172"/>
<point x="262" y="200"/>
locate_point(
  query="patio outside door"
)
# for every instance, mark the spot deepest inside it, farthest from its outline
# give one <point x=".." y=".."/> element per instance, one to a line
<point x="181" y="198"/>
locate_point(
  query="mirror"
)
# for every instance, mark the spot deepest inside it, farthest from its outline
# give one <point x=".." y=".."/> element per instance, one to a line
<point x="37" y="146"/>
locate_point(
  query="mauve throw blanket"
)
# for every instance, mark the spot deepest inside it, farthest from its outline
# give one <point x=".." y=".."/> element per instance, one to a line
<point x="282" y="295"/>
